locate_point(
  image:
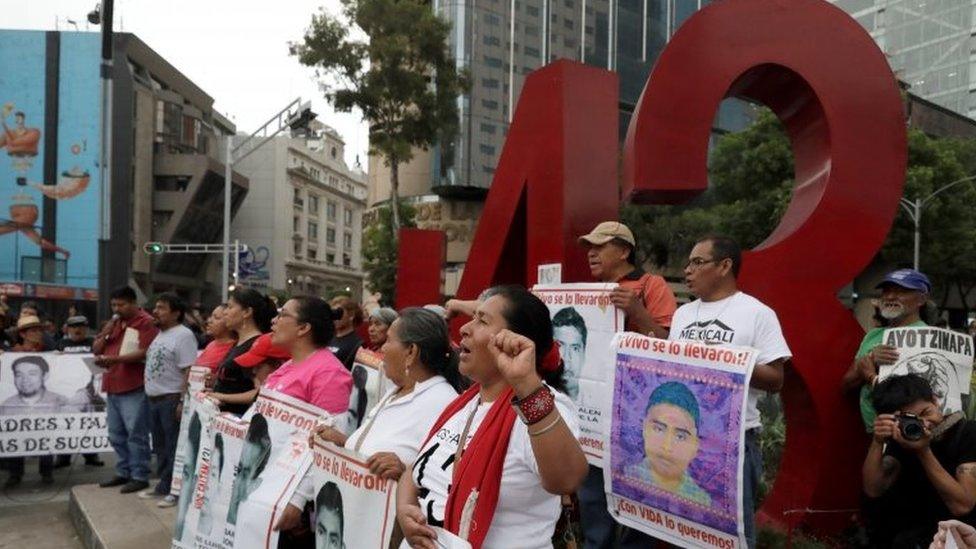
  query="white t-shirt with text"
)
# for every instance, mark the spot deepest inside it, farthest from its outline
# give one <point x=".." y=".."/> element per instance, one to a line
<point x="739" y="319"/>
<point x="526" y="514"/>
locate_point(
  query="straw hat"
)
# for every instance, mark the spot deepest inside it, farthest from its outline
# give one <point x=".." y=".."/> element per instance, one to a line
<point x="28" y="322"/>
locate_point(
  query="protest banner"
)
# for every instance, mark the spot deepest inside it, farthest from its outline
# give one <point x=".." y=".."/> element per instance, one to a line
<point x="196" y="379"/>
<point x="353" y="507"/>
<point x="201" y="473"/>
<point x="247" y="470"/>
<point x="675" y="446"/>
<point x="943" y="357"/>
<point x="584" y="322"/>
<point x="51" y="403"/>
<point x="368" y="386"/>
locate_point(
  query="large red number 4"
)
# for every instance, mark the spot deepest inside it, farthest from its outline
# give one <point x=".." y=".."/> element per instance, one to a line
<point x="555" y="180"/>
<point x="832" y="88"/>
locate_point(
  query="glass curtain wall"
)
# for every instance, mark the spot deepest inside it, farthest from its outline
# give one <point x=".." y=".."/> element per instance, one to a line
<point x="499" y="42"/>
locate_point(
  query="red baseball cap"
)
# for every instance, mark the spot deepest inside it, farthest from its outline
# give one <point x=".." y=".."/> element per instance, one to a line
<point x="261" y="351"/>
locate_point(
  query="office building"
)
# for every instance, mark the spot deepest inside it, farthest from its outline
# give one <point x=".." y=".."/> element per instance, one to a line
<point x="303" y="216"/>
<point x="930" y="44"/>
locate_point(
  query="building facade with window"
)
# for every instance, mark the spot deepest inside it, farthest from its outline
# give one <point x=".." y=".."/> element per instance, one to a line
<point x="303" y="217"/>
<point x="76" y="231"/>
<point x="930" y="45"/>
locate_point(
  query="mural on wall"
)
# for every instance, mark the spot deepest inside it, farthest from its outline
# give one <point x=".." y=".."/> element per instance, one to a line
<point x="254" y="266"/>
<point x="49" y="97"/>
<point x="21" y="143"/>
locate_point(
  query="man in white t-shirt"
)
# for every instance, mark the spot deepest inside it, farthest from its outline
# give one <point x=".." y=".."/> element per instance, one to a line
<point x="168" y="361"/>
<point x="723" y="315"/>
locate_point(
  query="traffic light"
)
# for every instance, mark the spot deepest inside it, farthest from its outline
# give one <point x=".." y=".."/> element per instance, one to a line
<point x="302" y="117"/>
<point x="154" y="248"/>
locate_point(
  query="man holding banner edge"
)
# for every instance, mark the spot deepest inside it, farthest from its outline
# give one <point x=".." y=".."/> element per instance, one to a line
<point x="648" y="304"/>
<point x="724" y="315"/>
<point x="903" y="294"/>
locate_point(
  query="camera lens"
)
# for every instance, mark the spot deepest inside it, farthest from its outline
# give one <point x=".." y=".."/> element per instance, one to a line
<point x="911" y="429"/>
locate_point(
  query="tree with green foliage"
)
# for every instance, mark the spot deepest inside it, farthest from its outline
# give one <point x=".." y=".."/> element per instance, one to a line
<point x="380" y="252"/>
<point x="751" y="177"/>
<point x="948" y="226"/>
<point x="751" y="184"/>
<point x="391" y="61"/>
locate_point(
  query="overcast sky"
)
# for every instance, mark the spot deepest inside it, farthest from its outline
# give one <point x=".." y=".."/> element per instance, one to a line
<point x="236" y="51"/>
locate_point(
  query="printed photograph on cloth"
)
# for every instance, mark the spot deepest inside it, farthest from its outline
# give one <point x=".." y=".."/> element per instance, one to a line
<point x="50" y="381"/>
<point x="195" y="383"/>
<point x="943" y="357"/>
<point x="273" y="458"/>
<point x="584" y="322"/>
<point x="675" y="440"/>
<point x="368" y="386"/>
<point x="51" y="402"/>
<point x="347" y="497"/>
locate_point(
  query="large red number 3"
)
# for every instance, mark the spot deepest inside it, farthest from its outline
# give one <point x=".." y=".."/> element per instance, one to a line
<point x="832" y="88"/>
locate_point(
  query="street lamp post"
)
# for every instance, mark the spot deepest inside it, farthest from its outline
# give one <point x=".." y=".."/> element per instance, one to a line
<point x="294" y="116"/>
<point x="914" y="210"/>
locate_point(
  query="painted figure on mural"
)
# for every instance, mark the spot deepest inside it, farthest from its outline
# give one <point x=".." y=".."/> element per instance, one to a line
<point x="22" y="144"/>
<point x="20" y="141"/>
<point x="23" y="216"/>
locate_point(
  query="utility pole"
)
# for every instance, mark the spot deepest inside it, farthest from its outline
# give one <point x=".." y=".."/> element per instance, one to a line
<point x="296" y="115"/>
<point x="914" y="210"/>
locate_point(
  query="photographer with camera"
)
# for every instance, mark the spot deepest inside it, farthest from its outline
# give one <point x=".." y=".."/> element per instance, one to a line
<point x="921" y="465"/>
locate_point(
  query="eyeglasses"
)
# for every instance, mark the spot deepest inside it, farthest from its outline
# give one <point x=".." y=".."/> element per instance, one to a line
<point x="696" y="263"/>
<point x="284" y="314"/>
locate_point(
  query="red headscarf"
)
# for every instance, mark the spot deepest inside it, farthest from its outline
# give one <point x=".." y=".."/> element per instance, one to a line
<point x="480" y="467"/>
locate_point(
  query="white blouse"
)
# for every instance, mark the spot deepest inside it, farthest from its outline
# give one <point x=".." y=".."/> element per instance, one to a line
<point x="398" y="425"/>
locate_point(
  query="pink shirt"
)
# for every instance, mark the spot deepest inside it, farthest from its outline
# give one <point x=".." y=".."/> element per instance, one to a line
<point x="320" y="380"/>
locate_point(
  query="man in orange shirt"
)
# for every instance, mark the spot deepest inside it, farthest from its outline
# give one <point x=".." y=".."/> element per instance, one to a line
<point x="648" y="303"/>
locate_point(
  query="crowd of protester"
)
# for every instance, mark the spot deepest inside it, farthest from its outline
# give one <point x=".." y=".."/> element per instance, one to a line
<point x="480" y="434"/>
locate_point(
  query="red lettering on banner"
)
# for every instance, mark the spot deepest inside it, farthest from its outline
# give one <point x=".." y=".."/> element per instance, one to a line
<point x="230" y="429"/>
<point x="201" y="487"/>
<point x="638" y="342"/>
<point x="715" y="354"/>
<point x="589" y="442"/>
<point x="301" y="421"/>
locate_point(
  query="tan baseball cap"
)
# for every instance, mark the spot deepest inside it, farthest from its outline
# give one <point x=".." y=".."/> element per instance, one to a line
<point x="607" y="231"/>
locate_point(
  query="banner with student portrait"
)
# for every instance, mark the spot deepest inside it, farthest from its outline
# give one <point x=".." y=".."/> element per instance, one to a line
<point x="584" y="323"/>
<point x="943" y="357"/>
<point x="202" y="471"/>
<point x="368" y="386"/>
<point x="353" y="507"/>
<point x="246" y="472"/>
<point x="675" y="446"/>
<point x="51" y="403"/>
<point x="196" y="380"/>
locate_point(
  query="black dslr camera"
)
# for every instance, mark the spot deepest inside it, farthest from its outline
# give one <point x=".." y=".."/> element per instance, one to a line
<point x="912" y="428"/>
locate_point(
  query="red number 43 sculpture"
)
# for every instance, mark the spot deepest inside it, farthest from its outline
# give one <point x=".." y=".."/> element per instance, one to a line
<point x="832" y="88"/>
